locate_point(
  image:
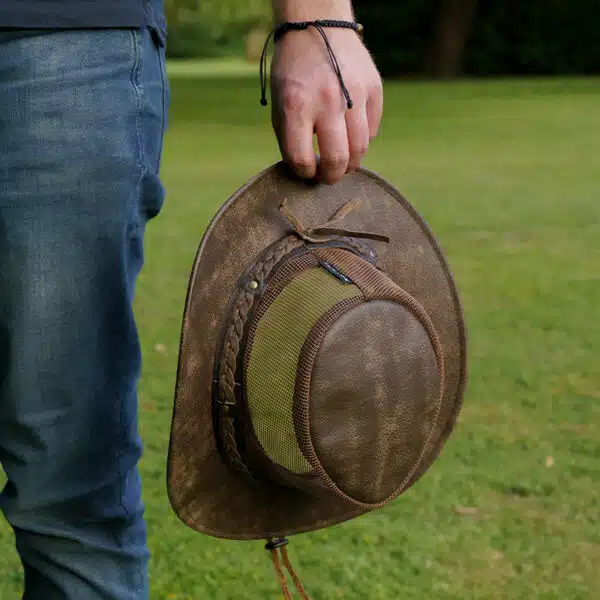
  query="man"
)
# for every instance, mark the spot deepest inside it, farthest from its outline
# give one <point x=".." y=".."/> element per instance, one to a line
<point x="84" y="101"/>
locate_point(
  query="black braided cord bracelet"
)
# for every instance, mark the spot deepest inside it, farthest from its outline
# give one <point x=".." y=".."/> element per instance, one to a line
<point x="320" y="25"/>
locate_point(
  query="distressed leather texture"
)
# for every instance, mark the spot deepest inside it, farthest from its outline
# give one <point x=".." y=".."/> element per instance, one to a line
<point x="375" y="366"/>
<point x="373" y="399"/>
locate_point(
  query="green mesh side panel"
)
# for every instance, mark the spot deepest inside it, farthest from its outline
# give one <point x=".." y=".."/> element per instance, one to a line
<point x="273" y="360"/>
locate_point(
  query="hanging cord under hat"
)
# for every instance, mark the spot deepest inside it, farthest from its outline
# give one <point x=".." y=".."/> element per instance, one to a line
<point x="280" y="574"/>
<point x="283" y="28"/>
<point x="279" y="544"/>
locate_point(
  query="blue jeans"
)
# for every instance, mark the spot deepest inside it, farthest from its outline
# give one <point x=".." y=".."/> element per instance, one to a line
<point x="82" y="116"/>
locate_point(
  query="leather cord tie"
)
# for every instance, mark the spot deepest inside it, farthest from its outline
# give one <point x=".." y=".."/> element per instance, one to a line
<point x="330" y="230"/>
<point x="319" y="25"/>
<point x="279" y="544"/>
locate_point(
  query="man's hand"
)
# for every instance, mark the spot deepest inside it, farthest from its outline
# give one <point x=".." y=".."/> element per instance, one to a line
<point x="307" y="97"/>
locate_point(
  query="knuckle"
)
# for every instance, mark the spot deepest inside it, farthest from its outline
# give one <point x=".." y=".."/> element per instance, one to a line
<point x="330" y="96"/>
<point x="359" y="143"/>
<point x="301" y="163"/>
<point x="293" y="101"/>
<point x="360" y="149"/>
<point x="376" y="87"/>
<point x="337" y="160"/>
<point x="335" y="163"/>
<point x="356" y="157"/>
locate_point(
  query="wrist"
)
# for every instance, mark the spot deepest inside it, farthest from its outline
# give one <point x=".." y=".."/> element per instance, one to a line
<point x="311" y="10"/>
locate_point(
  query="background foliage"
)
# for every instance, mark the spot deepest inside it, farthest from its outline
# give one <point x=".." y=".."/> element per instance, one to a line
<point x="209" y="28"/>
<point x="535" y="37"/>
<point x="439" y="38"/>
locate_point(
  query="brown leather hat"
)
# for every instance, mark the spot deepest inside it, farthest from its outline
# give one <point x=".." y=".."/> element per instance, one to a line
<point x="321" y="366"/>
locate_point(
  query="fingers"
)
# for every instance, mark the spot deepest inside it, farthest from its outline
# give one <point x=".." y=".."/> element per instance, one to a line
<point x="294" y="130"/>
<point x="358" y="135"/>
<point x="334" y="152"/>
<point x="307" y="100"/>
<point x="343" y="135"/>
<point x="374" y="110"/>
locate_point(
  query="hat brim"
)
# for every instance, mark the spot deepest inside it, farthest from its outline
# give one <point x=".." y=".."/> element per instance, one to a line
<point x="204" y="493"/>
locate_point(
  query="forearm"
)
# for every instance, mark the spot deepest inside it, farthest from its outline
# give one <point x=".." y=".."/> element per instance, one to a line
<point x="308" y="10"/>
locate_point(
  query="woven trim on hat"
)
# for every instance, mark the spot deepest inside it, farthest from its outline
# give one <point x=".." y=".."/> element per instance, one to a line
<point x="229" y="411"/>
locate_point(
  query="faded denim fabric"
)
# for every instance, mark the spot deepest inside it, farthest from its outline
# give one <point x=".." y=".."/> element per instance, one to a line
<point x="81" y="125"/>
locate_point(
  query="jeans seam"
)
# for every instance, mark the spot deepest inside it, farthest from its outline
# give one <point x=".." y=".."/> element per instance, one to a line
<point x="164" y="83"/>
<point x="139" y="93"/>
<point x="134" y="78"/>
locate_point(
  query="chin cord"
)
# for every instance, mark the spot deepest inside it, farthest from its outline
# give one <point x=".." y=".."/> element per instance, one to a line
<point x="283" y="28"/>
<point x="277" y="547"/>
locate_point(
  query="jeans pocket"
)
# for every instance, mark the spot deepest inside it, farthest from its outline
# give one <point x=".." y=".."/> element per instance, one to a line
<point x="166" y="91"/>
<point x="152" y="121"/>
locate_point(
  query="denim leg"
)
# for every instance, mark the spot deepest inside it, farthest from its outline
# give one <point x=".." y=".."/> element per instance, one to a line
<point x="81" y="126"/>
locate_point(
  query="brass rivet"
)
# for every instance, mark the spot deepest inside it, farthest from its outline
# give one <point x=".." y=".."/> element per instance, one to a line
<point x="253" y="284"/>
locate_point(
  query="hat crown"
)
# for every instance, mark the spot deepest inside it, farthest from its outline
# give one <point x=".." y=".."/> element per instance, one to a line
<point x="340" y="375"/>
<point x="374" y="399"/>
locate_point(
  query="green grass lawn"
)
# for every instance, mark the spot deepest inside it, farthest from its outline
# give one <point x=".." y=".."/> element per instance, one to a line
<point x="507" y="174"/>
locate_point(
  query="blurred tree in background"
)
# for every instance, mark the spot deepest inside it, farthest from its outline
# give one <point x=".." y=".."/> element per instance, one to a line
<point x="451" y="25"/>
<point x="445" y="38"/>
<point x="436" y="38"/>
<point x="534" y="37"/>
